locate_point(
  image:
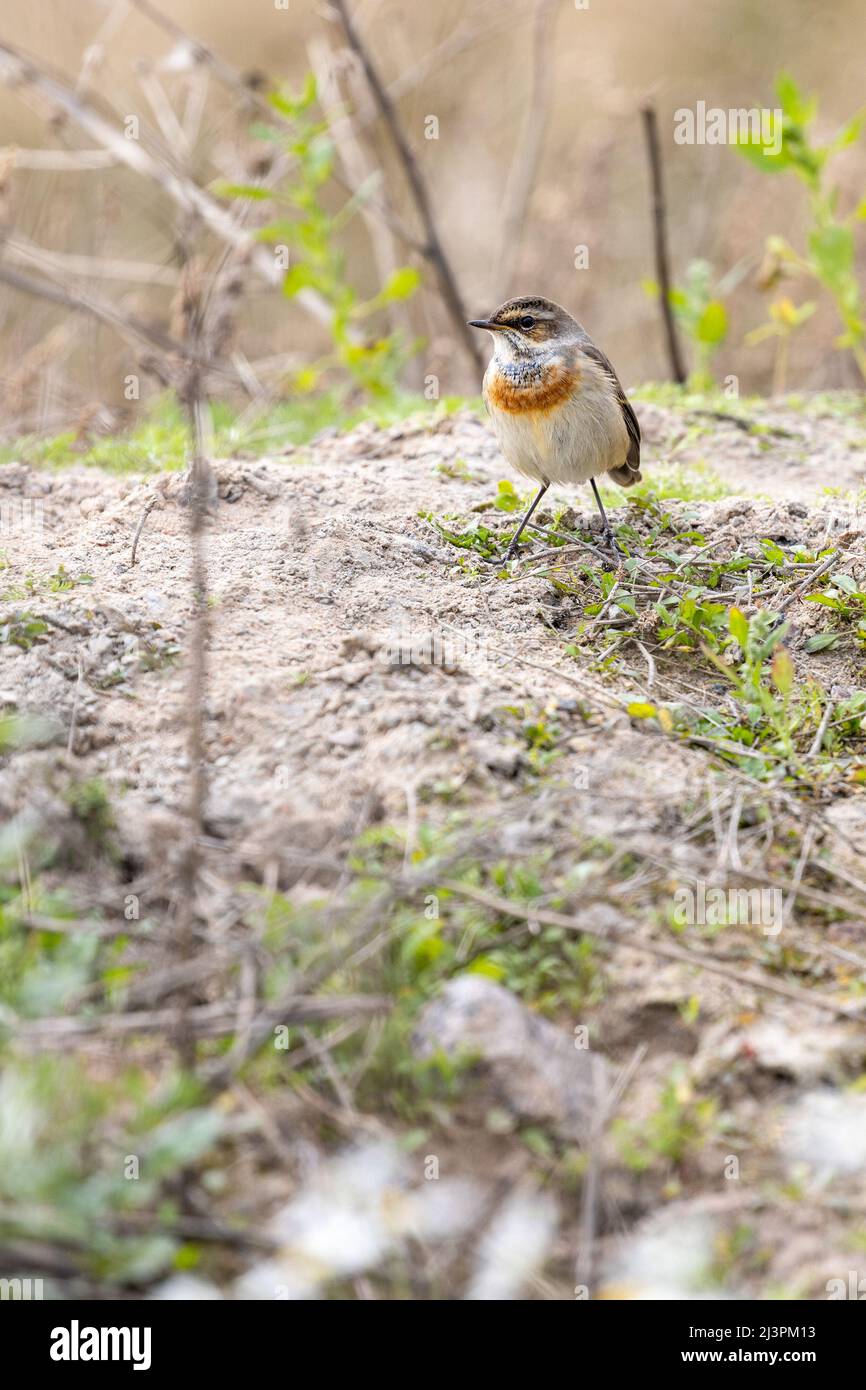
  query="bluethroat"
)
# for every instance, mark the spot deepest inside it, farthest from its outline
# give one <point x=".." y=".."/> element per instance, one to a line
<point x="557" y="406"/>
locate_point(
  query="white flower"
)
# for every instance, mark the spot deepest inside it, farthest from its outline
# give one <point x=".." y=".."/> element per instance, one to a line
<point x="514" y="1246"/>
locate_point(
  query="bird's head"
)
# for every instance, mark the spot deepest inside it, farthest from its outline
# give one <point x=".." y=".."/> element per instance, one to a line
<point x="527" y="325"/>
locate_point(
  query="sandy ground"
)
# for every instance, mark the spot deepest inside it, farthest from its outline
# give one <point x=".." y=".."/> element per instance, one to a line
<point x="326" y="715"/>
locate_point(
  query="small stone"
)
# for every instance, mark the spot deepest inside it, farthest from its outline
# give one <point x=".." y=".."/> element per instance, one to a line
<point x="350" y="674"/>
<point x="345" y="738"/>
<point x="503" y="759"/>
<point x="536" y="1070"/>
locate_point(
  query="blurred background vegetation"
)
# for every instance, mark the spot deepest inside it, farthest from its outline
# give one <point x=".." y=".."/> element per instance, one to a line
<point x="537" y="177"/>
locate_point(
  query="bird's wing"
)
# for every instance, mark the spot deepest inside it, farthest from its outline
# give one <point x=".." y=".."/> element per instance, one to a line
<point x="628" y="415"/>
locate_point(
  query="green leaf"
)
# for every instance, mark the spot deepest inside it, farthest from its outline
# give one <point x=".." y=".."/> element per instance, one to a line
<point x="822" y="641"/>
<point x="846" y="583"/>
<point x="180" y="1141"/>
<point x="773" y="552"/>
<point x="794" y="105"/>
<point x="242" y="190"/>
<point x="484" y="965"/>
<point x="766" y="149"/>
<point x="292" y="107"/>
<point x="299" y="277"/>
<point x="738" y="626"/>
<point x="849" y="133"/>
<point x="782" y="671"/>
<point x="832" y="250"/>
<point x="506" y="499"/>
<point x="639" y="709"/>
<point x="403" y="283"/>
<point x="280" y="231"/>
<point x="826" y="599"/>
<point x="713" y="323"/>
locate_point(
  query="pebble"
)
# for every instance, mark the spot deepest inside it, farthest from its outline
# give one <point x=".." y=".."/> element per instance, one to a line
<point x="345" y="738"/>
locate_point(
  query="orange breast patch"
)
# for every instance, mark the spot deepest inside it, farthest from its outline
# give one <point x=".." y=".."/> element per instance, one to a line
<point x="543" y="394"/>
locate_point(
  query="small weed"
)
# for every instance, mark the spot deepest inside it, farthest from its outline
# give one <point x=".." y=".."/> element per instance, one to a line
<point x="22" y="629"/>
<point x="677" y="1127"/>
<point x="89" y="804"/>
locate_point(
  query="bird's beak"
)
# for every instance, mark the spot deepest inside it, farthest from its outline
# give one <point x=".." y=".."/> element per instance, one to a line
<point x="484" y="323"/>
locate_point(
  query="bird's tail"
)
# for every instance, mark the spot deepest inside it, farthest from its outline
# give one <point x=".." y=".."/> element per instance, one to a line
<point x="626" y="475"/>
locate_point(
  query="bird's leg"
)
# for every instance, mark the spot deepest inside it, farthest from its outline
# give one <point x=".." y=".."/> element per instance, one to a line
<point x="608" y="530"/>
<point x="516" y="537"/>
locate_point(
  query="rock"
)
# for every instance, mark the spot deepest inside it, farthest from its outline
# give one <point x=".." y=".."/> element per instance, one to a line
<point x="534" y="1066"/>
<point x="99" y="644"/>
<point x="359" y="643"/>
<point x="505" y="759"/>
<point x="352" y="673"/>
<point x="805" y="1054"/>
<point x="230" y="808"/>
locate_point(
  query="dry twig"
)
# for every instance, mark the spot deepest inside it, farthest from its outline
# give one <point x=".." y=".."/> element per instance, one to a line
<point x="433" y="249"/>
<point x="665" y="951"/>
<point x="660" y="242"/>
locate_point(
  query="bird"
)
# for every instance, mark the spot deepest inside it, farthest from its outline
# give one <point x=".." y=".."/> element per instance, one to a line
<point x="558" y="409"/>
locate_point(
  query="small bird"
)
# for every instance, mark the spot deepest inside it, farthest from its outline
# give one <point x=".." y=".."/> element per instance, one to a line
<point x="557" y="406"/>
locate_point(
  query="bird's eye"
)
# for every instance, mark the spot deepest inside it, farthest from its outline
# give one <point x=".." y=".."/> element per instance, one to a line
<point x="527" y="321"/>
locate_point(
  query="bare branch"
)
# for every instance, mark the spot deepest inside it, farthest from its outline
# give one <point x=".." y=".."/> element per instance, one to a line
<point x="126" y="324"/>
<point x="617" y="936"/>
<point x="233" y="79"/>
<point x="205" y="1020"/>
<point x="20" y="70"/>
<point x="663" y="274"/>
<point x="59" y="161"/>
<point x="433" y="250"/>
<point x="20" y="250"/>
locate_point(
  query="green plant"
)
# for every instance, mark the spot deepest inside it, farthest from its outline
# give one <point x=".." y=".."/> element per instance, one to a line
<point x="81" y="1156"/>
<point x="372" y="361"/>
<point x="843" y="598"/>
<point x="89" y="804"/>
<point x="785" y="144"/>
<point x="22" y="629"/>
<point x="699" y="307"/>
<point x="785" y="318"/>
<point x="678" y="1126"/>
<point x="39" y="585"/>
